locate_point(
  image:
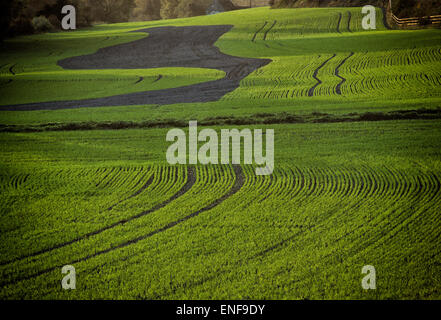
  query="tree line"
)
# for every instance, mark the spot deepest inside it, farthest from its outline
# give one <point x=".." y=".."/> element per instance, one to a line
<point x="28" y="16"/>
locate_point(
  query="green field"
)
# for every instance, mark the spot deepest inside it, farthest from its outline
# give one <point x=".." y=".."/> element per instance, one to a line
<point x="342" y="195"/>
<point x="69" y="85"/>
<point x="390" y="69"/>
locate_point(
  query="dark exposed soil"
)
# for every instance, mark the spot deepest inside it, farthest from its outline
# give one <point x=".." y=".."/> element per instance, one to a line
<point x="164" y="47"/>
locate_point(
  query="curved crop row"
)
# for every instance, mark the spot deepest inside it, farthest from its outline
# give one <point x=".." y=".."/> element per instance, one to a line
<point x="382" y="74"/>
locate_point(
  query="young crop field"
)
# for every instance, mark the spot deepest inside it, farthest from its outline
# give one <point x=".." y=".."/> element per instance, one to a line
<point x="142" y="229"/>
<point x="69" y="85"/>
<point x="348" y="190"/>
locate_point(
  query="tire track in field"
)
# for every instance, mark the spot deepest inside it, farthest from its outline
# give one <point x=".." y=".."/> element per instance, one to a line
<point x="11" y="69"/>
<point x="158" y="78"/>
<point x="339" y="22"/>
<point x="139" y="80"/>
<point x="349" y="21"/>
<point x="386" y="24"/>
<point x="164" y="47"/>
<point x="337" y="73"/>
<point x="257" y="32"/>
<point x="138" y="192"/>
<point x="190" y="182"/>
<point x="319" y="82"/>
<point x="239" y="182"/>
<point x="267" y="31"/>
<point x="371" y="191"/>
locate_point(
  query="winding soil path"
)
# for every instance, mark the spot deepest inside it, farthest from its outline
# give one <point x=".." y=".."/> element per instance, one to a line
<point x="191" y="47"/>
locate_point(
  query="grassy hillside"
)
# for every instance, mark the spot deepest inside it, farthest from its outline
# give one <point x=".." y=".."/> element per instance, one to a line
<point x="384" y="70"/>
<point x="342" y="195"/>
<point x="345" y="196"/>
